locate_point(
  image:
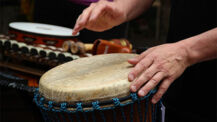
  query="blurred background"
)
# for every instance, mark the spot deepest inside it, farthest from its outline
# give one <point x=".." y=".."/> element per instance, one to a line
<point x="147" y="30"/>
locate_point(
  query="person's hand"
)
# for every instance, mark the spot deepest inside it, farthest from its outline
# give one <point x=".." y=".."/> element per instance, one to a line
<point x="163" y="64"/>
<point x="100" y="16"/>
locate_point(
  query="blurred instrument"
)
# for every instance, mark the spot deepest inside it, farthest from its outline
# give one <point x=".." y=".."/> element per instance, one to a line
<point x="112" y="46"/>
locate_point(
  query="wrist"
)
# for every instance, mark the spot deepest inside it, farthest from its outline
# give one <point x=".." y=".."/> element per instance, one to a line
<point x="191" y="55"/>
<point x="121" y="6"/>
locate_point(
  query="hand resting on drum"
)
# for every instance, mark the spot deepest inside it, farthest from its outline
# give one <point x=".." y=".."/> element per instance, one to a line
<point x="165" y="63"/>
<point x="162" y="63"/>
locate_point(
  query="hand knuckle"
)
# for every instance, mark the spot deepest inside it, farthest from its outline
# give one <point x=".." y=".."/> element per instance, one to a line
<point x="154" y="81"/>
<point x="148" y="75"/>
<point x="80" y="23"/>
<point x="92" y="4"/>
<point x="139" y="82"/>
<point x="163" y="88"/>
<point x="142" y="64"/>
<point x="158" y="95"/>
<point x="159" y="66"/>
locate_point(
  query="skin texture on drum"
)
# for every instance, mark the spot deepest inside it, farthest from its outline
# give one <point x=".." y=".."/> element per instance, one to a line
<point x="100" y="77"/>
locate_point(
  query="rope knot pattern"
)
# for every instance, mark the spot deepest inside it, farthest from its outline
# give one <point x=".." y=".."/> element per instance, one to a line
<point x="35" y="97"/>
<point x="41" y="100"/>
<point x="116" y="101"/>
<point x="63" y="106"/>
<point x="134" y="97"/>
<point x="96" y="105"/>
<point x="36" y="90"/>
<point x="79" y="107"/>
<point x="50" y="104"/>
<point x="153" y="91"/>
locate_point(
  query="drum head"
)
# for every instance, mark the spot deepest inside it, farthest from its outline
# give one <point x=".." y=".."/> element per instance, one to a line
<point x="44" y="29"/>
<point x="100" y="77"/>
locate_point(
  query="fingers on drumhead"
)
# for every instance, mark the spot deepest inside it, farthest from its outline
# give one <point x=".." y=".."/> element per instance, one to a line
<point x="144" y="77"/>
<point x="140" y="67"/>
<point x="151" y="84"/>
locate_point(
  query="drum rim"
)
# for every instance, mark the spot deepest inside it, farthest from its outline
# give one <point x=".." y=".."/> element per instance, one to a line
<point x="40" y="34"/>
<point x="44" y="104"/>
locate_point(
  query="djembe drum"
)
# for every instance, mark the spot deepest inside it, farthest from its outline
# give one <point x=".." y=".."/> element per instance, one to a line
<point x="93" y="89"/>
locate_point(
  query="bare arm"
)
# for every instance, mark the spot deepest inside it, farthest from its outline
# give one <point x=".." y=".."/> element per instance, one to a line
<point x="104" y="15"/>
<point x="201" y="47"/>
<point x="134" y="8"/>
<point x="168" y="61"/>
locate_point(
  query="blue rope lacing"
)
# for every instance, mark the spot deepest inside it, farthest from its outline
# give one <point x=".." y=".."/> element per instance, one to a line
<point x="51" y="106"/>
<point x="79" y="107"/>
<point x="96" y="105"/>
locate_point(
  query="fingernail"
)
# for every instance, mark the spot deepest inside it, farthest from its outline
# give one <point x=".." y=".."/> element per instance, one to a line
<point x="131" y="77"/>
<point x="141" y="93"/>
<point x="154" y="101"/>
<point x="133" y="88"/>
<point x="133" y="59"/>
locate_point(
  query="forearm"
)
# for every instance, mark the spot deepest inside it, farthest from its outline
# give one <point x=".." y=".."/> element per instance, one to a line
<point x="201" y="47"/>
<point x="134" y="8"/>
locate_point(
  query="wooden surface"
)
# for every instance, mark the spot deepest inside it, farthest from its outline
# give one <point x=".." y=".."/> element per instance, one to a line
<point x="98" y="77"/>
<point x="22" y="68"/>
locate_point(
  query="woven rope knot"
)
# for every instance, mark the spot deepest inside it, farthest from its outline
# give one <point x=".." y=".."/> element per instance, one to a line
<point x="96" y="105"/>
<point x="153" y="91"/>
<point x="63" y="106"/>
<point x="116" y="101"/>
<point x="134" y="96"/>
<point x="50" y="104"/>
<point x="41" y="100"/>
<point x="36" y="95"/>
<point x="79" y="107"/>
<point x="36" y="89"/>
